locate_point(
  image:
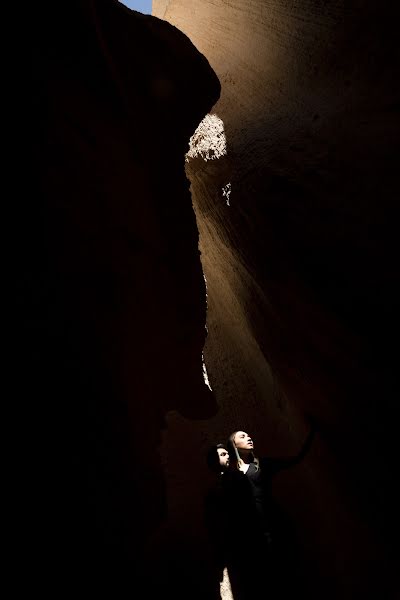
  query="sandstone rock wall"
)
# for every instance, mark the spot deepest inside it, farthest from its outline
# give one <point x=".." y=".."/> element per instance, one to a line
<point x="301" y="266"/>
<point x="110" y="295"/>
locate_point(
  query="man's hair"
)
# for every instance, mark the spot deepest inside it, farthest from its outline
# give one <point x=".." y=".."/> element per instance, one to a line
<point x="213" y="457"/>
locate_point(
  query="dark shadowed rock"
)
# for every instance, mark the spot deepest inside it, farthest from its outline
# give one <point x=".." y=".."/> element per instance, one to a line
<point x="111" y="297"/>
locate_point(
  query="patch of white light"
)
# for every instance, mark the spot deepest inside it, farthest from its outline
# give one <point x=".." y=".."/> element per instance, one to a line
<point x="226" y="192"/>
<point x="205" y="282"/>
<point x="209" y="140"/>
<point x="205" y="376"/>
<point x="225" y="587"/>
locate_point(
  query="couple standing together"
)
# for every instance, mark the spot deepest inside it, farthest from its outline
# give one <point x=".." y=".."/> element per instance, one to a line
<point x="242" y="519"/>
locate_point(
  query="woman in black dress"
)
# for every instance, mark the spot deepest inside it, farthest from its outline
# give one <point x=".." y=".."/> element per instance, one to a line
<point x="260" y="571"/>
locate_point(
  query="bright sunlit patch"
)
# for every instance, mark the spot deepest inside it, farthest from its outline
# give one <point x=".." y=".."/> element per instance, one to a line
<point x="225" y="587"/>
<point x="209" y="140"/>
<point x="205" y="283"/>
<point x="226" y="192"/>
<point x="205" y="376"/>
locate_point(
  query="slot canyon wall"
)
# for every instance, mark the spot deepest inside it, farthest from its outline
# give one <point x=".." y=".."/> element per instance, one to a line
<point x="301" y="271"/>
<point x="110" y="294"/>
<point x="110" y="297"/>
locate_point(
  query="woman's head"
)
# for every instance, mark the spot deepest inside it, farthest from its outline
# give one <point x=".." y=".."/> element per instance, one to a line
<point x="242" y="441"/>
<point x="240" y="447"/>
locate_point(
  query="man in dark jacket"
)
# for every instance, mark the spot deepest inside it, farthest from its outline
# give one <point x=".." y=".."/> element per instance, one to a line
<point x="215" y="509"/>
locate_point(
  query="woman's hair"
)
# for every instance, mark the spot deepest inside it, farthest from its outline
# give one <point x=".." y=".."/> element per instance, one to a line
<point x="235" y="462"/>
<point x="212" y="457"/>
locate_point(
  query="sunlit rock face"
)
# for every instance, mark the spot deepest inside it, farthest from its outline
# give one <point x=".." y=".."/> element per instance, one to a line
<point x="301" y="267"/>
<point x="111" y="294"/>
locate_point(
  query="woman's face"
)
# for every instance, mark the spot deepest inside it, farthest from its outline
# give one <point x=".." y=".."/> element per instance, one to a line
<point x="243" y="442"/>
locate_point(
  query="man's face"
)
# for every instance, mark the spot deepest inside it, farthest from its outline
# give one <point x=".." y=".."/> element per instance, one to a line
<point x="223" y="457"/>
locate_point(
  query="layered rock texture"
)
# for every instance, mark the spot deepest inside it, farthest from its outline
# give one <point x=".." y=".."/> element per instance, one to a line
<point x="111" y="295"/>
<point x="301" y="271"/>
